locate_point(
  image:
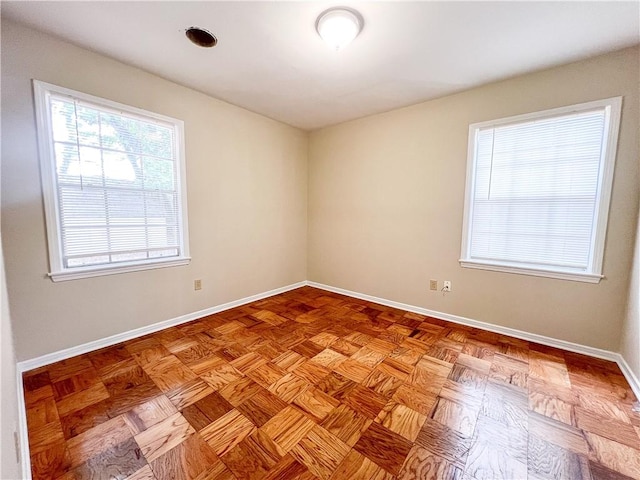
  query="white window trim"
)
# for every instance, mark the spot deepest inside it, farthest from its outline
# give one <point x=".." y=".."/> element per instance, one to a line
<point x="58" y="272"/>
<point x="603" y="197"/>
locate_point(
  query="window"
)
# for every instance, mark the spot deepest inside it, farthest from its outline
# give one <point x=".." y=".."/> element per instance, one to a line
<point x="114" y="185"/>
<point x="538" y="190"/>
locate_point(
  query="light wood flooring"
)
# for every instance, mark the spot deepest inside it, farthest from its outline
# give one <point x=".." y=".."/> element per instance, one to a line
<point x="314" y="385"/>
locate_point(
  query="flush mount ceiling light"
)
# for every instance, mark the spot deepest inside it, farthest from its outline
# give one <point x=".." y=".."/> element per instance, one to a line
<point x="338" y="26"/>
<point x="201" y="37"/>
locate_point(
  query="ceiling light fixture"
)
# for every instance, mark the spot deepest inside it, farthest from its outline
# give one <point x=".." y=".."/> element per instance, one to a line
<point x="338" y="26"/>
<point x="201" y="37"/>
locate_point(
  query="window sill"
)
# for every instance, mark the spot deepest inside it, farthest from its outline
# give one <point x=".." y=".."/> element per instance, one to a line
<point x="536" y="272"/>
<point x="87" y="272"/>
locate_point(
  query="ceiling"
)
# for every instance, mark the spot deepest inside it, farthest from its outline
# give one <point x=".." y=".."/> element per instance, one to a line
<point x="270" y="60"/>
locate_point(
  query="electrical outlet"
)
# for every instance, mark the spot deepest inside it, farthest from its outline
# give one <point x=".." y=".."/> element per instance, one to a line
<point x="433" y="284"/>
<point x="197" y="284"/>
<point x="446" y="286"/>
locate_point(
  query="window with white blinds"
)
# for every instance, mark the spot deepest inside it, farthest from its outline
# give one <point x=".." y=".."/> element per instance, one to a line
<point x="538" y="190"/>
<point x="113" y="182"/>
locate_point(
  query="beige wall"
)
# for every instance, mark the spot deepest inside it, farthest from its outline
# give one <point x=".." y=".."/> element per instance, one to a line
<point x="247" y="191"/>
<point x="386" y="198"/>
<point x="9" y="466"/>
<point x="630" y="343"/>
<point x="385" y="204"/>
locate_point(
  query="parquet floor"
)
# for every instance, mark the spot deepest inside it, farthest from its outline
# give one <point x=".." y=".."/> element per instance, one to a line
<point x="313" y="385"/>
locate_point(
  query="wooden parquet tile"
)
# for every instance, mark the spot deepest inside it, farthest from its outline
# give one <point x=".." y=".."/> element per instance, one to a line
<point x="385" y="448"/>
<point x="288" y="427"/>
<point x="226" y="432"/>
<point x="82" y="398"/>
<point x="311" y="385"/>
<point x="358" y="467"/>
<point x="321" y="452"/>
<point x="163" y="436"/>
<point x="316" y="403"/>
<point x="425" y="465"/>
<point x="42" y="413"/>
<point x="187" y="460"/>
<point x="401" y="419"/>
<point x="497" y="451"/>
<point x="253" y="457"/>
<point x="149" y="413"/>
<point x="45" y="436"/>
<point x="444" y="442"/>
<point x="548" y="460"/>
<point x="289" y="387"/>
<point x="119" y="461"/>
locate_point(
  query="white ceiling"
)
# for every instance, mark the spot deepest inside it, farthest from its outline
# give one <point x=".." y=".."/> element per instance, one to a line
<point x="270" y="60"/>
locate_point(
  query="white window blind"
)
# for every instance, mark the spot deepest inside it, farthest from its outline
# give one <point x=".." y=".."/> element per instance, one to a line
<point x="536" y="190"/>
<point x="115" y="183"/>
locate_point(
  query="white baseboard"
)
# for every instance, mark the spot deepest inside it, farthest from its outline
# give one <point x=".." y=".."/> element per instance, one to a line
<point x="131" y="334"/>
<point x="634" y="383"/>
<point x="23" y="433"/>
<point x="53" y="357"/>
<point x="512" y="332"/>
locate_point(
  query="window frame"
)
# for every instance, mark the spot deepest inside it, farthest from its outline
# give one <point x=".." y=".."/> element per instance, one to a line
<point x="613" y="108"/>
<point x="49" y="180"/>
